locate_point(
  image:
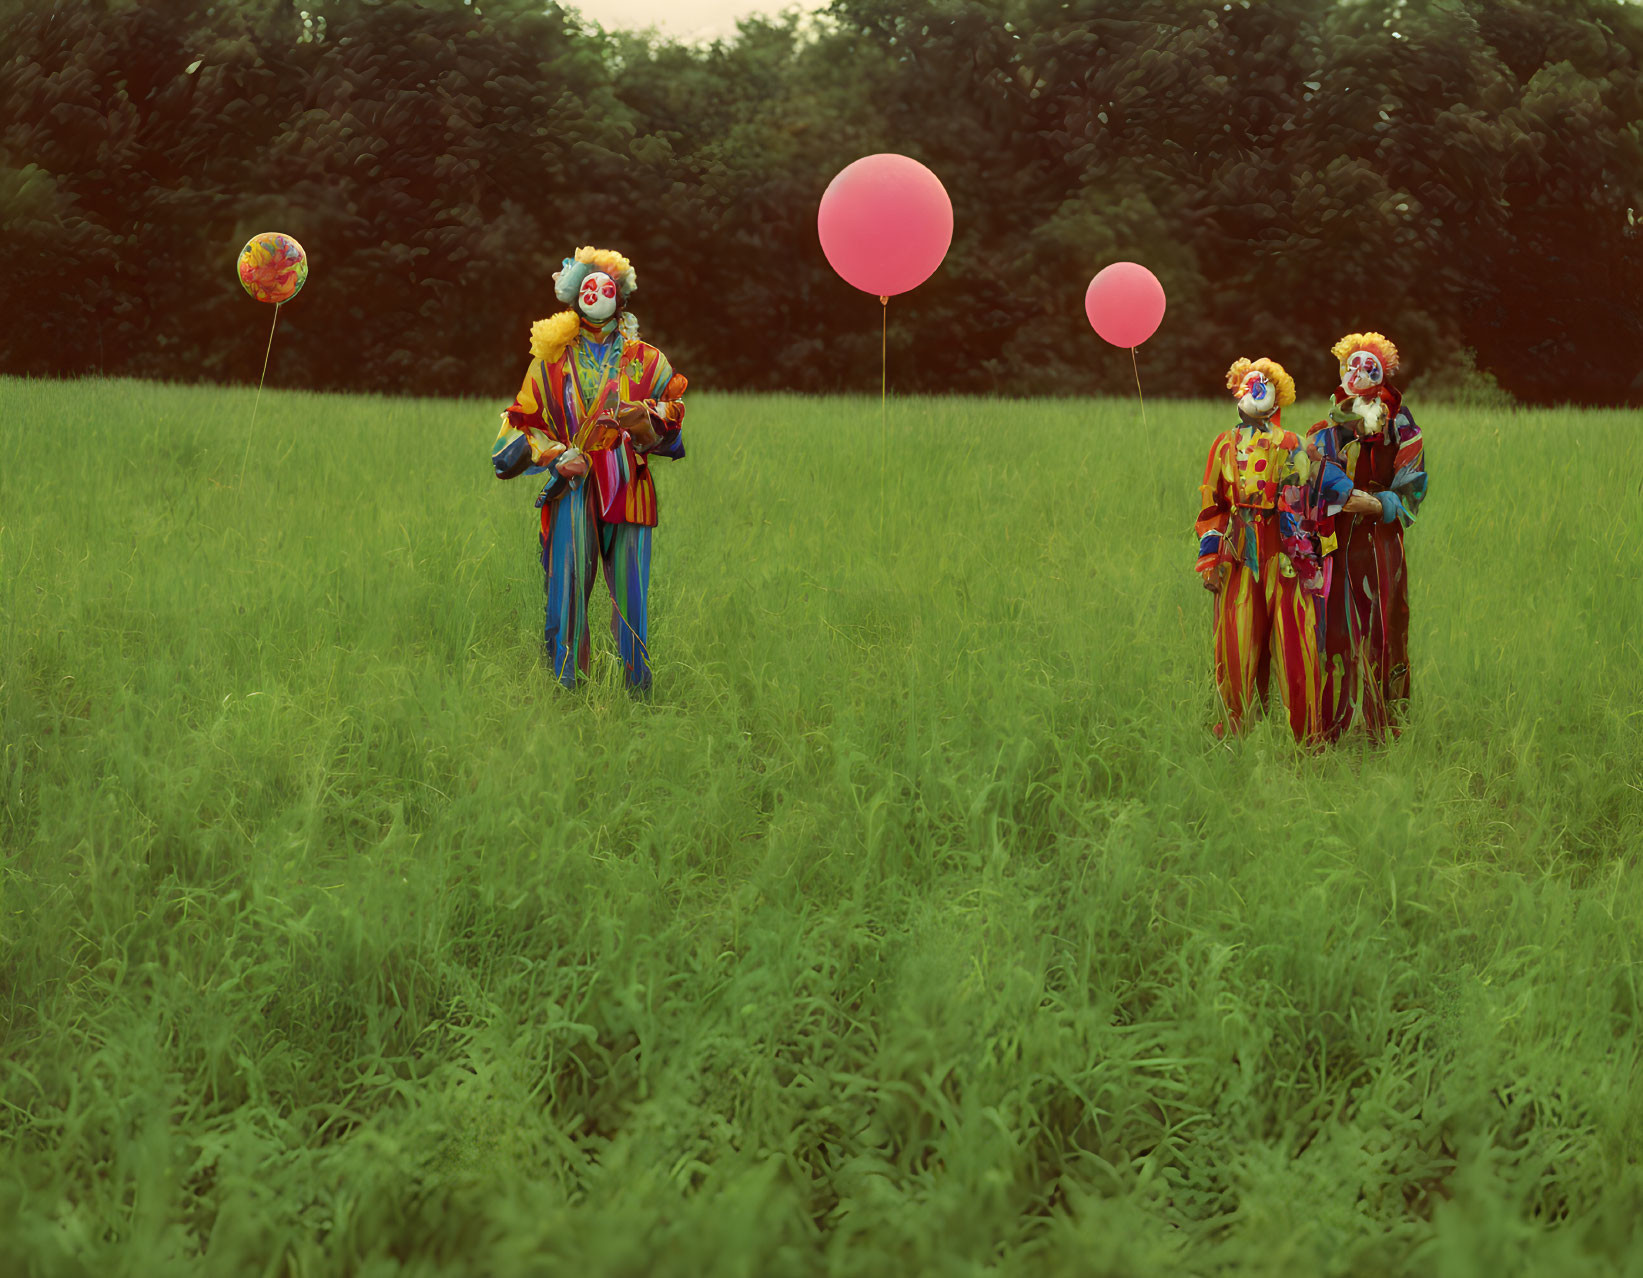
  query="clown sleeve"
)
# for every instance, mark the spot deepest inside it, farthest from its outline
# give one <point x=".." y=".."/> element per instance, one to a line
<point x="1334" y="488"/>
<point x="525" y="445"/>
<point x="1402" y="499"/>
<point x="667" y="409"/>
<point x="1334" y="485"/>
<point x="1217" y="508"/>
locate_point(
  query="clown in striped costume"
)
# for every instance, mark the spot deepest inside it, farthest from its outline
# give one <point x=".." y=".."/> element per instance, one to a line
<point x="1374" y="480"/>
<point x="1255" y="556"/>
<point x="596" y="405"/>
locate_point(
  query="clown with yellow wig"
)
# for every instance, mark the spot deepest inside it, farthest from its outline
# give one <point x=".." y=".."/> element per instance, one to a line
<point x="1254" y="553"/>
<point x="1373" y="478"/>
<point x="596" y="405"/>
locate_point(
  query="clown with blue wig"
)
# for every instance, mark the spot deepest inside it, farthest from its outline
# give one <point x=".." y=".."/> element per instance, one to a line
<point x="596" y="406"/>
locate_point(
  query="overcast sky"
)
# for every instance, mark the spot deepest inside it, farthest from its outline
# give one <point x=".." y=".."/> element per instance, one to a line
<point x="685" y="19"/>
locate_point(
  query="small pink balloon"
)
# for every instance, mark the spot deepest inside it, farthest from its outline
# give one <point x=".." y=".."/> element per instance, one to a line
<point x="885" y="224"/>
<point x="1125" y="303"/>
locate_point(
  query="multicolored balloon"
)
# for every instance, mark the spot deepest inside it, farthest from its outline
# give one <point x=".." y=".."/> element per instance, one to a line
<point x="273" y="267"/>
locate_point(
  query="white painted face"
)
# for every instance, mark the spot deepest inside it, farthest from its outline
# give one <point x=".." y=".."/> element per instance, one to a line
<point x="1361" y="373"/>
<point x="598" y="296"/>
<point x="1257" y="397"/>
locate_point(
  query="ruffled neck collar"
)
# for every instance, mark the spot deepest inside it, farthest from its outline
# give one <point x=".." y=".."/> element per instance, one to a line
<point x="1391" y="396"/>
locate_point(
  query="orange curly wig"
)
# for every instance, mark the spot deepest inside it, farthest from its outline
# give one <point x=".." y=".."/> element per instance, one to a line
<point x="1374" y="343"/>
<point x="1274" y="373"/>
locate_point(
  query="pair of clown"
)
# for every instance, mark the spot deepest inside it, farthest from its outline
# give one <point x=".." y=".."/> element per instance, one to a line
<point x="1302" y="545"/>
<point x="595" y="407"/>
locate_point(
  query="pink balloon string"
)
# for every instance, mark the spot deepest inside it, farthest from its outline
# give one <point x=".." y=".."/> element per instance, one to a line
<point x="884" y="406"/>
<point x="884" y="354"/>
<point x="1138" y="394"/>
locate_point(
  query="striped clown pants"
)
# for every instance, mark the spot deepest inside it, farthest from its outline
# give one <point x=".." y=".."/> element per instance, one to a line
<point x="575" y="543"/>
<point x="1259" y="625"/>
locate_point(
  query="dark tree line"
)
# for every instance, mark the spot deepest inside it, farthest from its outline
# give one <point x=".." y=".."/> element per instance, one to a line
<point x="1463" y="174"/>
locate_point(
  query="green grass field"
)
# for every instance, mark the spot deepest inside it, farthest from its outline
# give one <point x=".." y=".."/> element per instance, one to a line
<point x="918" y="926"/>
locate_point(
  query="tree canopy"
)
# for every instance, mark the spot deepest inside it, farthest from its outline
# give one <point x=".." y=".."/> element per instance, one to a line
<point x="1464" y="175"/>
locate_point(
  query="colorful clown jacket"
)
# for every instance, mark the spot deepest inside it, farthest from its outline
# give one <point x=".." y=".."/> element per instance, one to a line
<point x="1255" y="505"/>
<point x="560" y="403"/>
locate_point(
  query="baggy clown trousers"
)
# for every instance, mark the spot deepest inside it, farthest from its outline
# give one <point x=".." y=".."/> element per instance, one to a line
<point x="1262" y="622"/>
<point x="575" y="544"/>
<point x="1364" y="630"/>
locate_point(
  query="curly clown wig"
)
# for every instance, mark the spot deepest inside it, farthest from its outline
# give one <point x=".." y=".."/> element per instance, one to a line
<point x="1374" y="343"/>
<point x="567" y="280"/>
<point x="550" y="337"/>
<point x="1274" y="374"/>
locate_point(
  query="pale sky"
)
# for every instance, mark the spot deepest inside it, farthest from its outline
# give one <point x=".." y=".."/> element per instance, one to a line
<point x="684" y="19"/>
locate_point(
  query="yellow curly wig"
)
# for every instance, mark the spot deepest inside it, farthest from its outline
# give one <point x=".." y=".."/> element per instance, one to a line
<point x="1274" y="374"/>
<point x="1374" y="343"/>
<point x="609" y="261"/>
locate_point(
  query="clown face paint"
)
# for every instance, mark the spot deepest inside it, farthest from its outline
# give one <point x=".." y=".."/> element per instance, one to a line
<point x="1257" y="397"/>
<point x="598" y="296"/>
<point x="1361" y="373"/>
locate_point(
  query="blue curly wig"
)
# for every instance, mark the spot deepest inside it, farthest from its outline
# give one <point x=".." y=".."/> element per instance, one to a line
<point x="567" y="281"/>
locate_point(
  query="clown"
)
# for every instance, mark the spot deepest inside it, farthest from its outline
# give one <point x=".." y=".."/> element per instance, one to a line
<point x="1254" y="554"/>
<point x="1372" y="480"/>
<point x="596" y="405"/>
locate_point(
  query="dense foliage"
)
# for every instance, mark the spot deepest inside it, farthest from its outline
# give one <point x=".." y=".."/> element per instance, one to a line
<point x="1460" y="173"/>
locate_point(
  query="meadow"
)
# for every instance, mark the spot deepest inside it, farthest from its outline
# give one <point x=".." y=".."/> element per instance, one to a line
<point x="917" y="925"/>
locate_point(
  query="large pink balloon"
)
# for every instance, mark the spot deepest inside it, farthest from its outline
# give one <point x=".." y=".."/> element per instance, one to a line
<point x="885" y="224"/>
<point x="1125" y="303"/>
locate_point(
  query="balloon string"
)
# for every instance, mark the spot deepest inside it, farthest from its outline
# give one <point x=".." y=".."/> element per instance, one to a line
<point x="884" y="354"/>
<point x="251" y="431"/>
<point x="1138" y="394"/>
<point x="884" y="406"/>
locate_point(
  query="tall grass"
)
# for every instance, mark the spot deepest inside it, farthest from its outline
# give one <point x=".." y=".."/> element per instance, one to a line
<point x="917" y="925"/>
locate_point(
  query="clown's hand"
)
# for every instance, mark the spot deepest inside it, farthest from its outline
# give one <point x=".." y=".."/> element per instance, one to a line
<point x="635" y="419"/>
<point x="1362" y="503"/>
<point x="1215" y="578"/>
<point x="573" y="462"/>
